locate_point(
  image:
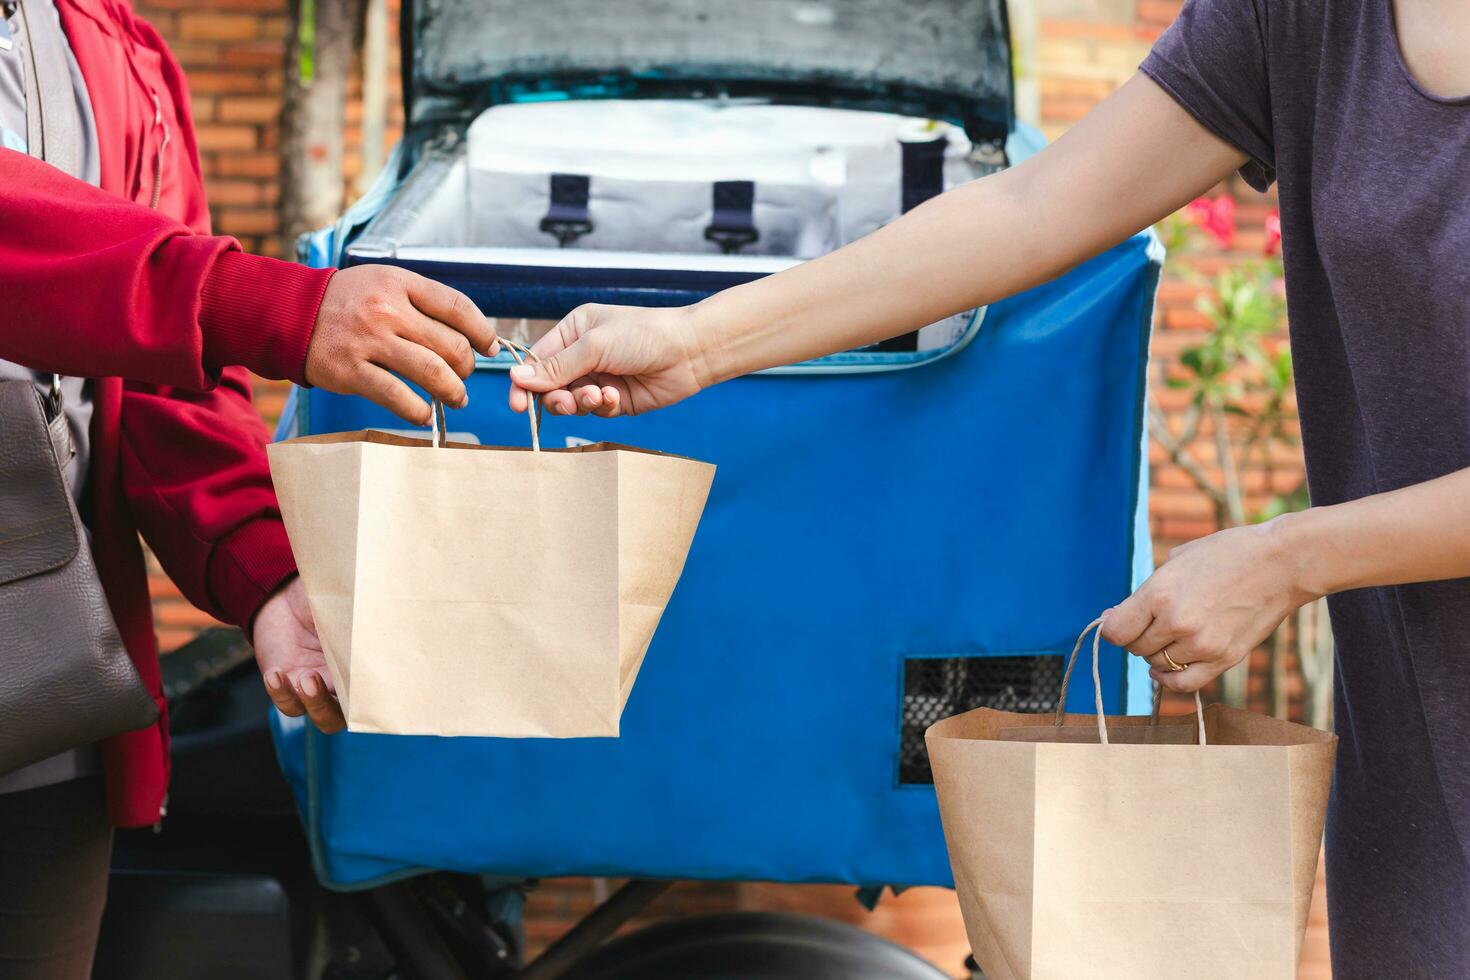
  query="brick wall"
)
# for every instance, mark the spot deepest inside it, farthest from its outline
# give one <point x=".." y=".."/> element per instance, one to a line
<point x="234" y="53"/>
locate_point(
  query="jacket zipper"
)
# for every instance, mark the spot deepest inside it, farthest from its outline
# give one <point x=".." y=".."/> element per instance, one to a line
<point x="158" y="122"/>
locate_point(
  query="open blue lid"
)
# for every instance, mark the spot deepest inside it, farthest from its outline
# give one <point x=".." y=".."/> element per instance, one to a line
<point x="941" y="59"/>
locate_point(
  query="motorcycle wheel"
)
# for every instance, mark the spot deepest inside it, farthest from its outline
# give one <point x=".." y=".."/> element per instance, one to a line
<point x="753" y="946"/>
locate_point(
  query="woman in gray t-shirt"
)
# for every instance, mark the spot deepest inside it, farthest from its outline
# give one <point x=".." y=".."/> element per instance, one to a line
<point x="1360" y="111"/>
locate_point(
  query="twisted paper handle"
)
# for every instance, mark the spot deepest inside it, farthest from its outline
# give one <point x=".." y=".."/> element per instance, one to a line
<point x="1095" y="627"/>
<point x="439" y="432"/>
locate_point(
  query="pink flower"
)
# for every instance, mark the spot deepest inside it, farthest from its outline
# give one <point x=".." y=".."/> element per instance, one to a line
<point x="1217" y="216"/>
<point x="1273" y="231"/>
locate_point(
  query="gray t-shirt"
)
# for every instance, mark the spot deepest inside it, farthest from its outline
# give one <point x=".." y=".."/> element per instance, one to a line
<point x="1373" y="173"/>
<point x="42" y="15"/>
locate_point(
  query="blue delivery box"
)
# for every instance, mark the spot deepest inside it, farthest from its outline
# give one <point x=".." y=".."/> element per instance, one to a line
<point x="896" y="534"/>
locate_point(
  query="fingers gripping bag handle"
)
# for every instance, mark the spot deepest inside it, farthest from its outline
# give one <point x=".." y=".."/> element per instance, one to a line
<point x="439" y="433"/>
<point x="1095" y="627"/>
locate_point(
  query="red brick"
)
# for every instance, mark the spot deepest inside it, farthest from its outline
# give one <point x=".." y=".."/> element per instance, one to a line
<point x="1169" y="476"/>
<point x="165" y="22"/>
<point x="161" y="587"/>
<point x="202" y="106"/>
<point x="213" y="137"/>
<point x="1160" y="12"/>
<point x="1186" y="319"/>
<point x="1169" y="344"/>
<point x="220" y="27"/>
<point x="256" y="54"/>
<point x="1181" y="504"/>
<point x="242" y="81"/>
<point x="234" y="192"/>
<point x="195" y="55"/>
<point x="256" y="109"/>
<point x="1097" y="30"/>
<point x="1186" y="530"/>
<point x="1091" y="90"/>
<point x="1178" y="292"/>
<point x="249" y="165"/>
<point x="246" y="221"/>
<point x="179" y="614"/>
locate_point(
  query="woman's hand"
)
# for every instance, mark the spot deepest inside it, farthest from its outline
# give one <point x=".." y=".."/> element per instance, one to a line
<point x="1210" y="604"/>
<point x="613" y="360"/>
<point x="292" y="663"/>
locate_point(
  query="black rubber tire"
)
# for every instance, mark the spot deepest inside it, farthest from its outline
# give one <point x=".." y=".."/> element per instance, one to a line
<point x="753" y="946"/>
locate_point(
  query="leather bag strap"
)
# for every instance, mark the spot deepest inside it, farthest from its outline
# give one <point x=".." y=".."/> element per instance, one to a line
<point x="51" y="119"/>
<point x="52" y="131"/>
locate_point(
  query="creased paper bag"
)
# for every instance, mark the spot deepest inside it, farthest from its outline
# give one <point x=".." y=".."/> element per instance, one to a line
<point x="1151" y="857"/>
<point x="476" y="590"/>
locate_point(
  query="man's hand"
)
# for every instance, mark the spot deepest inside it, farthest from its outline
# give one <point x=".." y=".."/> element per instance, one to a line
<point x="376" y="320"/>
<point x="613" y="360"/>
<point x="291" y="661"/>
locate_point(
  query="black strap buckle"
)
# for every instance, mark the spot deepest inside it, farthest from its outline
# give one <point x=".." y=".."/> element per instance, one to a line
<point x="732" y="225"/>
<point x="54" y="400"/>
<point x="568" y="217"/>
<point x="923" y="171"/>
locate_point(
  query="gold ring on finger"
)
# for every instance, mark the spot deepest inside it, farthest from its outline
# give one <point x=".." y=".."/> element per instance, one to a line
<point x="1172" y="665"/>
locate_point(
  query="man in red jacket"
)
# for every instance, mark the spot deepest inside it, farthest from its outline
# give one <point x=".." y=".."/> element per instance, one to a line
<point x="109" y="272"/>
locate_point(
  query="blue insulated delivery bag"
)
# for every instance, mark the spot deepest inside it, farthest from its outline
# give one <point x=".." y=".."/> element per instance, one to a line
<point x="895" y="534"/>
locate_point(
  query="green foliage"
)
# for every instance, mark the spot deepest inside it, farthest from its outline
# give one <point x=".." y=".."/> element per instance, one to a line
<point x="1237" y="376"/>
<point x="1233" y="362"/>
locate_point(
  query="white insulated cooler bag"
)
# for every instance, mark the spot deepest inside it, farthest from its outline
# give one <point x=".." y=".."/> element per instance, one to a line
<point x="701" y="176"/>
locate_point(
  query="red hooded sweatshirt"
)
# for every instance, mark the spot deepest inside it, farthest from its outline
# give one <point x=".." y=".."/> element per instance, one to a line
<point x="97" y="284"/>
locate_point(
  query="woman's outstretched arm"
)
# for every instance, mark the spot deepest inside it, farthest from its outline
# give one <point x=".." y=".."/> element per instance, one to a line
<point x="1136" y="158"/>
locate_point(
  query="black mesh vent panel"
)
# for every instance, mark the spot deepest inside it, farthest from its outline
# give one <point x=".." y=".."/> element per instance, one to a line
<point x="936" y="688"/>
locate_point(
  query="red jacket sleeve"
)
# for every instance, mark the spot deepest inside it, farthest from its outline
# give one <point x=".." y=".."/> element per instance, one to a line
<point x="97" y="286"/>
<point x="195" y="476"/>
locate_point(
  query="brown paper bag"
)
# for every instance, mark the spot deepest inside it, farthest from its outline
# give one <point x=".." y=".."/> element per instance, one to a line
<point x="477" y="590"/>
<point x="1182" y="847"/>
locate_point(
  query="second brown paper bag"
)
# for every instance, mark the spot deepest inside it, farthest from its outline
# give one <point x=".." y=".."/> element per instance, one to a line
<point x="476" y="590"/>
<point x="1158" y="855"/>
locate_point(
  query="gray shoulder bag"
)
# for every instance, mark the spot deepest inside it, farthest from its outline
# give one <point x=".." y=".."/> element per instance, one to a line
<point x="65" y="678"/>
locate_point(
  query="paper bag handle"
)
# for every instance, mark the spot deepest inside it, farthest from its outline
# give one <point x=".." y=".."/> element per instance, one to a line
<point x="439" y="432"/>
<point x="1095" y="627"/>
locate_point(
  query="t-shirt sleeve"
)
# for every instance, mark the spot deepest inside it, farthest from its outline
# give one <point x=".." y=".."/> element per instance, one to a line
<point x="1213" y="61"/>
